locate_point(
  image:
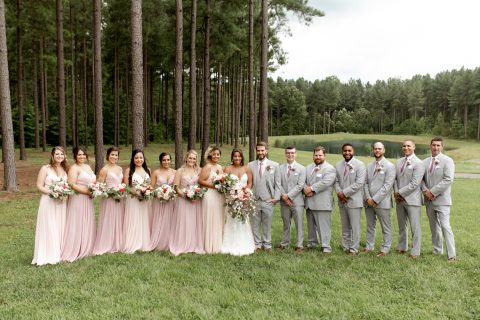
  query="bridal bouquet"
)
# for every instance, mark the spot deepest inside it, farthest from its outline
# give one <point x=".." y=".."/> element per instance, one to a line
<point x="194" y="192"/>
<point x="98" y="189"/>
<point x="224" y="182"/>
<point x="240" y="202"/>
<point x="143" y="191"/>
<point x="118" y="192"/>
<point x="165" y="193"/>
<point x="60" y="190"/>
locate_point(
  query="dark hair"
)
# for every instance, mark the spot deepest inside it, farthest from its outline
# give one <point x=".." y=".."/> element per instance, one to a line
<point x="241" y="154"/>
<point x="262" y="144"/>
<point x="64" y="163"/>
<point x="132" y="165"/>
<point x="290" y="148"/>
<point x="439" y="139"/>
<point x="320" y="148"/>
<point x="76" y="150"/>
<point x="162" y="155"/>
<point x="111" y="149"/>
<point x="347" y="145"/>
<point x="209" y="151"/>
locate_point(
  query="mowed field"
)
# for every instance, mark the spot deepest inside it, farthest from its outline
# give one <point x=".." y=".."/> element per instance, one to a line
<point x="276" y="285"/>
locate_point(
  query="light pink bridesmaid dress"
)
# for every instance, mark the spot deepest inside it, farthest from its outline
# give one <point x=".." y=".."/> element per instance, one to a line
<point x="50" y="226"/>
<point x="213" y="218"/>
<point x="187" y="230"/>
<point x="162" y="220"/>
<point x="79" y="237"/>
<point x="110" y="222"/>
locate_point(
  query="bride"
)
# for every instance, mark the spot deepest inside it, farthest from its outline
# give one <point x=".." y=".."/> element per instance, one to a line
<point x="237" y="234"/>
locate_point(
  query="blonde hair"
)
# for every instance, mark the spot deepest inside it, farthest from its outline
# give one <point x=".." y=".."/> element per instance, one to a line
<point x="185" y="159"/>
<point x="208" y="153"/>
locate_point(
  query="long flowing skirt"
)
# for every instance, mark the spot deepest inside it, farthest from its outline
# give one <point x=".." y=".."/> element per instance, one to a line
<point x="162" y="225"/>
<point x="49" y="232"/>
<point x="213" y="220"/>
<point x="79" y="237"/>
<point x="187" y="230"/>
<point x="237" y="237"/>
<point x="136" y="225"/>
<point x="110" y="227"/>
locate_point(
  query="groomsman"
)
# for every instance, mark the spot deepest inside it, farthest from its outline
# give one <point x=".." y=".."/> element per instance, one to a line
<point x="349" y="187"/>
<point x="320" y="177"/>
<point x="292" y="178"/>
<point x="436" y="186"/>
<point x="408" y="196"/>
<point x="266" y="189"/>
<point x="378" y="199"/>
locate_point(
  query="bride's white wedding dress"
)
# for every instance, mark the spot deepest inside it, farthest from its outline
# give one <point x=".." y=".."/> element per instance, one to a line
<point x="237" y="234"/>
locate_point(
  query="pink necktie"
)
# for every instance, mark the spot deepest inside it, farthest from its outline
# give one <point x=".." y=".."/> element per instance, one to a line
<point x="377" y="167"/>
<point x="431" y="165"/>
<point x="260" y="168"/>
<point x="345" y="171"/>
<point x="403" y="164"/>
<point x="289" y="170"/>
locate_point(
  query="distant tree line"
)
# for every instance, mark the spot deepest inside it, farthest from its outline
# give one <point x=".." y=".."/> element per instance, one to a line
<point x="447" y="105"/>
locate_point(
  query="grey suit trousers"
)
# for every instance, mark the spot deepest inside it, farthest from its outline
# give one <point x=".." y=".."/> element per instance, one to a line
<point x="439" y="218"/>
<point x="262" y="223"/>
<point x="350" y="218"/>
<point x="312" y="237"/>
<point x="295" y="212"/>
<point x="412" y="214"/>
<point x="323" y="222"/>
<point x="383" y="216"/>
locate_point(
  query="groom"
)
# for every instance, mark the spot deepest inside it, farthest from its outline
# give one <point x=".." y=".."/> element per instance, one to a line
<point x="266" y="188"/>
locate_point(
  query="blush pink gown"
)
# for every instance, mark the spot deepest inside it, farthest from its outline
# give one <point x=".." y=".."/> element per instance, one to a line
<point x="213" y="218"/>
<point x="79" y="237"/>
<point x="110" y="222"/>
<point x="50" y="226"/>
<point x="162" y="220"/>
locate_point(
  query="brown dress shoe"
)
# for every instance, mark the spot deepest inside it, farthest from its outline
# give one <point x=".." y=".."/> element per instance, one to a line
<point x="268" y="249"/>
<point x="298" y="249"/>
<point x="351" y="253"/>
<point x="280" y="247"/>
<point x="367" y="250"/>
<point x="452" y="259"/>
<point x="258" y="249"/>
<point x="412" y="257"/>
<point x="401" y="251"/>
<point x="381" y="254"/>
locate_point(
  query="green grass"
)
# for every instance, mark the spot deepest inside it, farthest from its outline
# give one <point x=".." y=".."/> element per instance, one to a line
<point x="277" y="285"/>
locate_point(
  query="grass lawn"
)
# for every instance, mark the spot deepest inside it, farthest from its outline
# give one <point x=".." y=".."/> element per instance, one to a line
<point x="277" y="285"/>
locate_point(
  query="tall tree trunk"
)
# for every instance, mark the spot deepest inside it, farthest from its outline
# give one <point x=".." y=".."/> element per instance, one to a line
<point x="35" y="92"/>
<point x="145" y="95"/>
<point x="60" y="76"/>
<point x="478" y="123"/>
<point x="193" y="78"/>
<point x="72" y="70"/>
<point x="263" y="74"/>
<point x="84" y="93"/>
<point x="137" y="76"/>
<point x="116" y="94"/>
<point x="178" y="83"/>
<point x="219" y="112"/>
<point x="43" y="98"/>
<point x="8" y="145"/>
<point x="165" y="119"/>
<point x="97" y="39"/>
<point x="251" y="102"/>
<point x="465" y="121"/>
<point x="127" y="102"/>
<point x="206" y="80"/>
<point x="20" y="96"/>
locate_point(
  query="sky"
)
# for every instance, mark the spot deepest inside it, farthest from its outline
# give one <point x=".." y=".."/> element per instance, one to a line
<point x="380" y="39"/>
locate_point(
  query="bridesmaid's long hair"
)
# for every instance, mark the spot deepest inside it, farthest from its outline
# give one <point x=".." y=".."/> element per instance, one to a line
<point x="235" y="150"/>
<point x="208" y="153"/>
<point x="64" y="163"/>
<point x="132" y="165"/>
<point x="76" y="150"/>
<point x="111" y="149"/>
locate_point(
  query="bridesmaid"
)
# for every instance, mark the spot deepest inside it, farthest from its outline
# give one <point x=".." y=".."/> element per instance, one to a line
<point x="162" y="212"/>
<point x="187" y="229"/>
<point x="110" y="222"/>
<point x="79" y="236"/>
<point x="136" y="226"/>
<point x="212" y="203"/>
<point x="51" y="213"/>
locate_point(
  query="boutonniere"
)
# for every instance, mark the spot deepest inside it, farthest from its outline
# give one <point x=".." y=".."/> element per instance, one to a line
<point x="437" y="161"/>
<point x="350" y="165"/>
<point x="292" y="169"/>
<point x="268" y="168"/>
<point x="409" y="162"/>
<point x="380" y="168"/>
<point x="317" y="169"/>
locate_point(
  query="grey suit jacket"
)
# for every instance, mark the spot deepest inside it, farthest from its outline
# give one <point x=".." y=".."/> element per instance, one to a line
<point x="439" y="181"/>
<point x="270" y="182"/>
<point x="351" y="184"/>
<point x="293" y="185"/>
<point x="408" y="183"/>
<point x="379" y="183"/>
<point x="321" y="183"/>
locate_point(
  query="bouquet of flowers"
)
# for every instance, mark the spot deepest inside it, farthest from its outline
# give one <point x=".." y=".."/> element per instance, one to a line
<point x="98" y="189"/>
<point x="143" y="191"/>
<point x="60" y="190"/>
<point x="118" y="192"/>
<point x="224" y="182"/>
<point x="240" y="202"/>
<point x="165" y="193"/>
<point x="194" y="192"/>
